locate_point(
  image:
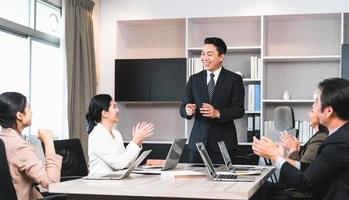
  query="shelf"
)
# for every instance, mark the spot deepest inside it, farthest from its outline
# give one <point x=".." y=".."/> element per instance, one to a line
<point x="150" y="102"/>
<point x="245" y="143"/>
<point x="151" y="142"/>
<point x="287" y="101"/>
<point x="251" y="80"/>
<point x="235" y="49"/>
<point x="252" y="112"/>
<point x="301" y="58"/>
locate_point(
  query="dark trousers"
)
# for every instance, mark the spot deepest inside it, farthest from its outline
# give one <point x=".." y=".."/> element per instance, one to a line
<point x="216" y="157"/>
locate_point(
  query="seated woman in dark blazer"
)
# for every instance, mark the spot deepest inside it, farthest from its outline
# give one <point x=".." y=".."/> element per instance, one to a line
<point x="302" y="156"/>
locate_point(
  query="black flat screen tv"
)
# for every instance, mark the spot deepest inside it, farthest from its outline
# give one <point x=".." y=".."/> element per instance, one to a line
<point x="150" y="79"/>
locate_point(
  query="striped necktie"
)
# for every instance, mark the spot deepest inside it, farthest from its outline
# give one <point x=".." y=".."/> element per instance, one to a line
<point x="210" y="87"/>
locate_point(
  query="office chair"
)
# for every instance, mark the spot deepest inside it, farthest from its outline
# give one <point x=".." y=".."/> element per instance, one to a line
<point x="7" y="190"/>
<point x="74" y="164"/>
<point x="283" y="121"/>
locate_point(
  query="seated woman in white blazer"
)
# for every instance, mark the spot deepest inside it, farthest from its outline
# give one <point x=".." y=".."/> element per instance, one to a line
<point x="106" y="150"/>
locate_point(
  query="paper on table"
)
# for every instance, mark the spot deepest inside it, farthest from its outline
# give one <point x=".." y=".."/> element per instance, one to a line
<point x="182" y="174"/>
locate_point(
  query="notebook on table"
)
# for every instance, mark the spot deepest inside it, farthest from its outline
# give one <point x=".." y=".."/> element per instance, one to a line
<point x="213" y="175"/>
<point x="172" y="159"/>
<point x="241" y="170"/>
<point x="125" y="173"/>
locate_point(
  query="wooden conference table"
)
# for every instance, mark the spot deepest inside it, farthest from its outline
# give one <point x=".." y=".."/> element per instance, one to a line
<point x="140" y="186"/>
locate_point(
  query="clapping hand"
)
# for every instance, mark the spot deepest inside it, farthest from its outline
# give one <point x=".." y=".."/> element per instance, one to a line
<point x="45" y="135"/>
<point x="141" y="131"/>
<point x="266" y="148"/>
<point x="289" y="142"/>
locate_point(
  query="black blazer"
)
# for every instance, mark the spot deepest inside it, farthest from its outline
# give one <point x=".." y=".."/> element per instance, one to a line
<point x="327" y="177"/>
<point x="228" y="98"/>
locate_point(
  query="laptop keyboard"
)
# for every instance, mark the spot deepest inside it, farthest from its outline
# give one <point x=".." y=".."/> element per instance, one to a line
<point x="226" y="176"/>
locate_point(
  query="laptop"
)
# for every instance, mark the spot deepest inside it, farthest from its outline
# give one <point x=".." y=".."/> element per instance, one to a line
<point x="213" y="175"/>
<point x="125" y="173"/>
<point x="172" y="159"/>
<point x="242" y="170"/>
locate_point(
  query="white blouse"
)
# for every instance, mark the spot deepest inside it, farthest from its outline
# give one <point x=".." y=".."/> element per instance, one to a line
<point x="107" y="154"/>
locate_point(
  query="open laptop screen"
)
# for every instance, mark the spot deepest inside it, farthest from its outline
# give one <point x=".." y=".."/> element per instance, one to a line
<point x="225" y="154"/>
<point x="206" y="158"/>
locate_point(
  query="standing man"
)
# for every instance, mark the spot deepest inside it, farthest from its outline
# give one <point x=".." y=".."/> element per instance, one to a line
<point x="215" y="96"/>
<point x="327" y="177"/>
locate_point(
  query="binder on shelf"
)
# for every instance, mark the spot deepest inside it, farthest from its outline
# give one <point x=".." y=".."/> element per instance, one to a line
<point x="250" y="98"/>
<point x="250" y="127"/>
<point x="257" y="126"/>
<point x="257" y="97"/>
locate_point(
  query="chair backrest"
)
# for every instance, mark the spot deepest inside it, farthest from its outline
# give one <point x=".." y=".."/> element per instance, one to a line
<point x="7" y="190"/>
<point x="74" y="163"/>
<point x="283" y="118"/>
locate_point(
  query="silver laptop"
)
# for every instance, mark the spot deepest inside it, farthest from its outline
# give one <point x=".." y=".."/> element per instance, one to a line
<point x="248" y="170"/>
<point x="123" y="175"/>
<point x="227" y="176"/>
<point x="172" y="159"/>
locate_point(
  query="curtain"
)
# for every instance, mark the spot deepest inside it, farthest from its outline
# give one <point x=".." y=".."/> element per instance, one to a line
<point x="81" y="65"/>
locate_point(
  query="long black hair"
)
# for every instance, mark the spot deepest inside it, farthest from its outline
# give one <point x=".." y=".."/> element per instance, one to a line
<point x="97" y="104"/>
<point x="10" y="104"/>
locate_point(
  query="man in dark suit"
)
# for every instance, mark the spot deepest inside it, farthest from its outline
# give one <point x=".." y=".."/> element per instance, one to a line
<point x="327" y="177"/>
<point x="215" y="96"/>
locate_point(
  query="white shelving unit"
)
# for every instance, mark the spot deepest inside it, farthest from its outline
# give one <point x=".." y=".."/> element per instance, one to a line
<point x="297" y="52"/>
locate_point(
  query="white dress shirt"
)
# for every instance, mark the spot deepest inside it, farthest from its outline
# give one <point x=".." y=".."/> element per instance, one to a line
<point x="216" y="75"/>
<point x="107" y="154"/>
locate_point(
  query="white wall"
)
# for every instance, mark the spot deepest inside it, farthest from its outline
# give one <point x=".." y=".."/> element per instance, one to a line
<point x="113" y="10"/>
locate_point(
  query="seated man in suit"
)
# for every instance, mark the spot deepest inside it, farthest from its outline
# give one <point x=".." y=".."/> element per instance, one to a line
<point x="327" y="176"/>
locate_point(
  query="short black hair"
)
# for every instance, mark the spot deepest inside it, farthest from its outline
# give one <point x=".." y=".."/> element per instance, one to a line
<point x="98" y="103"/>
<point x="10" y="104"/>
<point x="218" y="43"/>
<point x="335" y="93"/>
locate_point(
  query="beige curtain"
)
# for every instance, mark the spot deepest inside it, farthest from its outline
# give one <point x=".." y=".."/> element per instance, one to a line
<point x="81" y="65"/>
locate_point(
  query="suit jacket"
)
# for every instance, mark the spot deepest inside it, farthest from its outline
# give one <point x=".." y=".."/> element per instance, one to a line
<point x="309" y="150"/>
<point x="228" y="98"/>
<point x="327" y="177"/>
<point x="25" y="166"/>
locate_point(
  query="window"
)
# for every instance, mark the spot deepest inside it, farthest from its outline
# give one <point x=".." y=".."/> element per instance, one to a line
<point x="31" y="62"/>
<point x="16" y="11"/>
<point x="47" y="91"/>
<point x="15" y="72"/>
<point x="47" y="19"/>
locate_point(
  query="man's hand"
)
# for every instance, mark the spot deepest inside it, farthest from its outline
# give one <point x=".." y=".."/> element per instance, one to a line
<point x="265" y="148"/>
<point x="190" y="109"/>
<point x="208" y="110"/>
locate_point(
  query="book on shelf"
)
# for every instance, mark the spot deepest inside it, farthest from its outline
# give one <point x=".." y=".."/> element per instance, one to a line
<point x="255" y="67"/>
<point x="194" y="66"/>
<point x="305" y="131"/>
